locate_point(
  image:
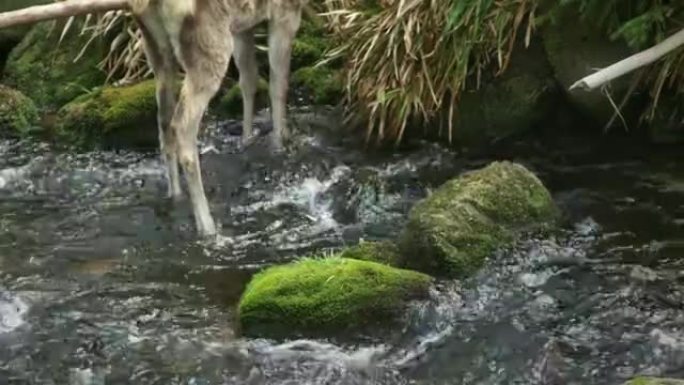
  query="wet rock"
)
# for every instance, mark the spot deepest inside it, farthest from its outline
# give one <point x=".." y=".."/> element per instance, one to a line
<point x="331" y="294"/>
<point x="18" y="114"/>
<point x="43" y="67"/>
<point x="111" y="117"/>
<point x="381" y="252"/>
<point x="454" y="230"/>
<point x="654" y="381"/>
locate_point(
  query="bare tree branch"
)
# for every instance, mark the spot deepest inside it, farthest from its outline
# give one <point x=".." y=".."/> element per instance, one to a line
<point x="58" y="10"/>
<point x="631" y="63"/>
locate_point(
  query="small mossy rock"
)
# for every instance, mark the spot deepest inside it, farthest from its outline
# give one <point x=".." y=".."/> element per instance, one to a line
<point x="330" y="294"/>
<point x="230" y="102"/>
<point x="111" y="117"/>
<point x="321" y="84"/>
<point x="654" y="381"/>
<point x="43" y="67"/>
<point x="455" y="229"/>
<point x="381" y="252"/>
<point x="18" y="115"/>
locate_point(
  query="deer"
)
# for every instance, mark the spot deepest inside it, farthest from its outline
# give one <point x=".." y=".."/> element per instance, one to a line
<point x="196" y="39"/>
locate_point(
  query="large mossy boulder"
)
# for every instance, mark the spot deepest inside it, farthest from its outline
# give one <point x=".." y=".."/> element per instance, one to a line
<point x="654" y="381"/>
<point x="18" y="114"/>
<point x="10" y="37"/>
<point x="507" y="105"/>
<point x="576" y="48"/>
<point x="455" y="229"/>
<point x="330" y="294"/>
<point x="43" y="67"/>
<point x="111" y="117"/>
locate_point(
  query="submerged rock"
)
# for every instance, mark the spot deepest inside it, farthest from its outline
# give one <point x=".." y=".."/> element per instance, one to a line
<point x="381" y="252"/>
<point x="111" y="117"/>
<point x="654" y="381"/>
<point x="43" y="67"/>
<point x="455" y="229"/>
<point x="315" y="295"/>
<point x="18" y="114"/>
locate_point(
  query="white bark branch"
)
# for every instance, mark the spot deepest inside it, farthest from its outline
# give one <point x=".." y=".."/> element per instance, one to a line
<point x="631" y="63"/>
<point x="58" y="10"/>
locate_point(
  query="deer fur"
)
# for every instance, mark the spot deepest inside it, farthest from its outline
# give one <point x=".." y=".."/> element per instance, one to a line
<point x="198" y="37"/>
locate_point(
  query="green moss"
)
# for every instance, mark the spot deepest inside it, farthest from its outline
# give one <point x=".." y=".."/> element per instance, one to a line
<point x="654" y="381"/>
<point x="230" y="102"/>
<point x="326" y="294"/>
<point x="463" y="222"/>
<point x="43" y="68"/>
<point x="322" y="84"/>
<point x="18" y="114"/>
<point x="111" y="117"/>
<point x="381" y="252"/>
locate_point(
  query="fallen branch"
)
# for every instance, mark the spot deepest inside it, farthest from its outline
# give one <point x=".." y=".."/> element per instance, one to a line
<point x="58" y="10"/>
<point x="631" y="63"/>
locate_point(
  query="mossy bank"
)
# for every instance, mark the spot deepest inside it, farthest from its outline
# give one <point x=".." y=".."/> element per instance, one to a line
<point x="654" y="381"/>
<point x="111" y="117"/>
<point x="454" y="230"/>
<point x="326" y="294"/>
<point x="18" y="114"/>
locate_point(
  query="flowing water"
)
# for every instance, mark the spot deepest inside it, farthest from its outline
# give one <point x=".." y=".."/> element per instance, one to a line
<point x="102" y="281"/>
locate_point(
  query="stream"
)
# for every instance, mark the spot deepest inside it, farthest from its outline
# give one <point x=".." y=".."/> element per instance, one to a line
<point x="102" y="280"/>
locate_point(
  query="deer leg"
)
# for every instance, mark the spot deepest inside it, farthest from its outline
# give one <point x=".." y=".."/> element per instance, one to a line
<point x="160" y="56"/>
<point x="282" y="31"/>
<point x="166" y="101"/>
<point x="245" y="59"/>
<point x="200" y="85"/>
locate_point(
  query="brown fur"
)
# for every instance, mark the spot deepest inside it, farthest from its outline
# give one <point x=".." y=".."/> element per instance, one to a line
<point x="199" y="37"/>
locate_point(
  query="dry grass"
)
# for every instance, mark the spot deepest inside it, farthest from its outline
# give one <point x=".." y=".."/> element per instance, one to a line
<point x="409" y="58"/>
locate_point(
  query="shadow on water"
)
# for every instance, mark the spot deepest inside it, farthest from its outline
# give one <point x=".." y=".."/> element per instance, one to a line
<point x="102" y="281"/>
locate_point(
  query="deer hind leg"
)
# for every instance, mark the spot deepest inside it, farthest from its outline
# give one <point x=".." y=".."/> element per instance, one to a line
<point x="161" y="58"/>
<point x="245" y="60"/>
<point x="204" y="72"/>
<point x="282" y="30"/>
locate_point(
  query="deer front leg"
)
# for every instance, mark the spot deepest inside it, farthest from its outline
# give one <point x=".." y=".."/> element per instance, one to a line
<point x="244" y="52"/>
<point x="282" y="31"/>
<point x="193" y="101"/>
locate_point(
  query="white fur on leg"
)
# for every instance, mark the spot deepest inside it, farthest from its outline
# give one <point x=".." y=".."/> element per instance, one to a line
<point x="281" y="35"/>
<point x="245" y="59"/>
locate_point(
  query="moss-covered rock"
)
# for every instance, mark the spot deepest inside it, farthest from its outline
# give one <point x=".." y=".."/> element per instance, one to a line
<point x="381" y="252"/>
<point x="331" y="294"/>
<point x="654" y="381"/>
<point x="507" y="105"/>
<point x="575" y="48"/>
<point x="229" y="103"/>
<point x="455" y="229"/>
<point x="10" y="37"/>
<point x="18" y="114"/>
<point x="43" y="68"/>
<point x="321" y="84"/>
<point x="111" y="117"/>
